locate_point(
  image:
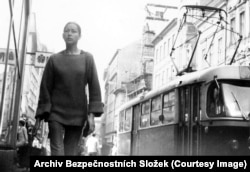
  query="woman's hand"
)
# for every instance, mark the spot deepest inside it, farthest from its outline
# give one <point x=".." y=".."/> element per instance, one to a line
<point x="36" y="127"/>
<point x="91" y="121"/>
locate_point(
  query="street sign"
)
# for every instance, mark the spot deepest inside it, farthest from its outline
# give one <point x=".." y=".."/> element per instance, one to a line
<point x="41" y="58"/>
<point x="11" y="58"/>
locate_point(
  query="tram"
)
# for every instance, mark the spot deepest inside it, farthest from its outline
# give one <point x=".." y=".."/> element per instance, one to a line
<point x="201" y="113"/>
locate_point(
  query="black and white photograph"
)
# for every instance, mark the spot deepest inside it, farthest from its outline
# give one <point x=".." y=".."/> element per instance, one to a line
<point x="90" y="84"/>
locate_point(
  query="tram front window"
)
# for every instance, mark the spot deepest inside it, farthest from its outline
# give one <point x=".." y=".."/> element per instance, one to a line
<point x="229" y="100"/>
<point x="237" y="100"/>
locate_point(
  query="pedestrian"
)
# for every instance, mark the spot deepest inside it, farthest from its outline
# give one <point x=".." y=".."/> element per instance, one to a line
<point x="22" y="134"/>
<point x="22" y="145"/>
<point x="63" y="100"/>
<point x="29" y="128"/>
<point x="92" y="145"/>
<point x="113" y="150"/>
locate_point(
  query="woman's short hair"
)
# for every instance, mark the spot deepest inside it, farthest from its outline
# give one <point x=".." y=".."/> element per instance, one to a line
<point x="77" y="25"/>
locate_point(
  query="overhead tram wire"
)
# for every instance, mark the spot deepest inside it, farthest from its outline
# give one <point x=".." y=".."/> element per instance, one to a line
<point x="215" y="24"/>
<point x="190" y="39"/>
<point x="173" y="49"/>
<point x="204" y="8"/>
<point x="201" y="18"/>
<point x="211" y="43"/>
<point x="239" y="40"/>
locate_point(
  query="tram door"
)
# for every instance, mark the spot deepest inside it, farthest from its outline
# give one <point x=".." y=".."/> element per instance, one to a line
<point x="135" y="136"/>
<point x="189" y="104"/>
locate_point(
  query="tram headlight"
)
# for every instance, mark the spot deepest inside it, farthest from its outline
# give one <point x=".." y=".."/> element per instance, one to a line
<point x="234" y="144"/>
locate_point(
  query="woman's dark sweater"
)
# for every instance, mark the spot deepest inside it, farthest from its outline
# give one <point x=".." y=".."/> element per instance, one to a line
<point x="62" y="91"/>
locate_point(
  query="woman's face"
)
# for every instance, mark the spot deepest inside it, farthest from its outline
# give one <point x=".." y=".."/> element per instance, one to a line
<point x="71" y="34"/>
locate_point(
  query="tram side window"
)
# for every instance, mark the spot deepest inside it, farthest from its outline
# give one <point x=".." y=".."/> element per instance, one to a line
<point x="145" y="109"/>
<point x="168" y="107"/>
<point x="156" y="111"/>
<point x="121" y="121"/>
<point x="128" y="119"/>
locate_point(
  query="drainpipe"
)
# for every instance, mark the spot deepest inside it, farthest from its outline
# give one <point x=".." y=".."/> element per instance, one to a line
<point x="226" y="34"/>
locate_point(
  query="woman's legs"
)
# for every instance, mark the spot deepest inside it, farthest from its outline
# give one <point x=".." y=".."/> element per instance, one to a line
<point x="72" y="139"/>
<point x="56" y="132"/>
<point x="64" y="139"/>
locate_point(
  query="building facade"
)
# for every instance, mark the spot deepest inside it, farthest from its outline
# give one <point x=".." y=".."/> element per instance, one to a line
<point x="238" y="17"/>
<point x="232" y="31"/>
<point x="130" y="71"/>
<point x="173" y="50"/>
<point x="163" y="67"/>
<point x="118" y="73"/>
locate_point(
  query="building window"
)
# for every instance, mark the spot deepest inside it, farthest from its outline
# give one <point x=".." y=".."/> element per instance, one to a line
<point x="203" y="53"/>
<point x="169" y="46"/>
<point x="163" y="77"/>
<point x="172" y="72"/>
<point x="242" y="23"/>
<point x="157" y="81"/>
<point x="173" y="39"/>
<point x="210" y="56"/>
<point x="160" y="56"/>
<point x="164" y="50"/>
<point x="167" y="74"/>
<point x="232" y="34"/>
<point x="112" y="84"/>
<point x="156" y="55"/>
<point x="220" y="58"/>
